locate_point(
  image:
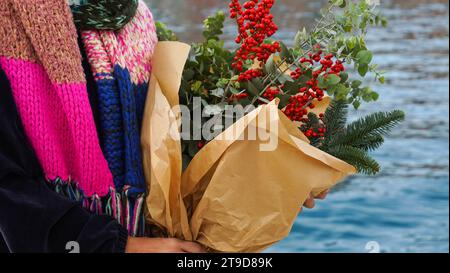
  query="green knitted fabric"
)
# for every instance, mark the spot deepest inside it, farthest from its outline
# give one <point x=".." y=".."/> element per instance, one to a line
<point x="104" y="14"/>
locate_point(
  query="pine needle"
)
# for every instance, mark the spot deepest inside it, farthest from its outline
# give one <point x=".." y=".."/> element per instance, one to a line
<point x="356" y="157"/>
<point x="371" y="126"/>
<point x="352" y="142"/>
<point x="335" y="117"/>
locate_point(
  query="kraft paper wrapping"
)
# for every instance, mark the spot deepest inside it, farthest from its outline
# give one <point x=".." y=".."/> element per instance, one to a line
<point x="161" y="141"/>
<point x="236" y="195"/>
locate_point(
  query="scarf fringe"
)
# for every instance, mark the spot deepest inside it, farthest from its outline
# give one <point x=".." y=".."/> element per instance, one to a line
<point x="125" y="207"/>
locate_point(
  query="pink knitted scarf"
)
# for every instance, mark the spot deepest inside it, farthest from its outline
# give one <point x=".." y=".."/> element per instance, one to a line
<point x="40" y="55"/>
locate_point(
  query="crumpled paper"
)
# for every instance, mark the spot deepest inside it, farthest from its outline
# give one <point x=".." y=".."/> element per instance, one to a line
<point x="236" y="195"/>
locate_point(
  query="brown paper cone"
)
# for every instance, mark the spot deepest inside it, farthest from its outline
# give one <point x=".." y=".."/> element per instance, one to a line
<point x="244" y="199"/>
<point x="233" y="197"/>
<point x="161" y="141"/>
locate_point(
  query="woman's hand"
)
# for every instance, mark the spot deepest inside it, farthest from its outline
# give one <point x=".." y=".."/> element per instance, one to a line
<point x="161" y="245"/>
<point x="311" y="203"/>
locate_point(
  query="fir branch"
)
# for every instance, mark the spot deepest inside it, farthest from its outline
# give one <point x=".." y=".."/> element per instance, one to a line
<point x="356" y="157"/>
<point x="352" y="142"/>
<point x="370" y="143"/>
<point x="335" y="118"/>
<point x="370" y="127"/>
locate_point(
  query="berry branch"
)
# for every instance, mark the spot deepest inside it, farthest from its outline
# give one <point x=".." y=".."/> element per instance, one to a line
<point x="332" y="59"/>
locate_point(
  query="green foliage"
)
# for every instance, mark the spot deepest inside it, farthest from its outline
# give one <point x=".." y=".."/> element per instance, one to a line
<point x="213" y="26"/>
<point x="207" y="72"/>
<point x="357" y="158"/>
<point x="342" y="31"/>
<point x="352" y="142"/>
<point x="335" y="118"/>
<point x="365" y="133"/>
<point x="164" y="33"/>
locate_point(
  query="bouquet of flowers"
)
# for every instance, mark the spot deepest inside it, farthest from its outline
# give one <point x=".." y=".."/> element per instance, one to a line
<point x="235" y="140"/>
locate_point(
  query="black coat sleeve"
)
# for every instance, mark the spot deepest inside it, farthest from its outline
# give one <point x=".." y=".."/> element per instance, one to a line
<point x="33" y="218"/>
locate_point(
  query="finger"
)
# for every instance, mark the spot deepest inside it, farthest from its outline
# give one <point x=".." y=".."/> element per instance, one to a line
<point x="192" y="247"/>
<point x="176" y="251"/>
<point x="310" y="203"/>
<point x="173" y="245"/>
<point x="323" y="195"/>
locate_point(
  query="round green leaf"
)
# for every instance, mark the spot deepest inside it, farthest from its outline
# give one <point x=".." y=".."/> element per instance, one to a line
<point x="364" y="57"/>
<point x="363" y="69"/>
<point x="333" y="80"/>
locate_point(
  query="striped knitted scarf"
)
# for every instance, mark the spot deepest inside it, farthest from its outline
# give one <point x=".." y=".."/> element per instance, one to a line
<point x="40" y="55"/>
<point x="41" y="58"/>
<point x="121" y="65"/>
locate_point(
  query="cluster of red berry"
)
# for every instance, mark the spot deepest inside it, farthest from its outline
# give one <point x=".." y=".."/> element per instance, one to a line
<point x="255" y="23"/>
<point x="271" y="93"/>
<point x="328" y="66"/>
<point x="296" y="73"/>
<point x="249" y="75"/>
<point x="297" y="108"/>
<point x="318" y="133"/>
<point x="326" y="61"/>
<point x="239" y="96"/>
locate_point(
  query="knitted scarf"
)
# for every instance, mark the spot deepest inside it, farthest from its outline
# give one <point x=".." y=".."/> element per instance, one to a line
<point x="121" y="65"/>
<point x="41" y="58"/>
